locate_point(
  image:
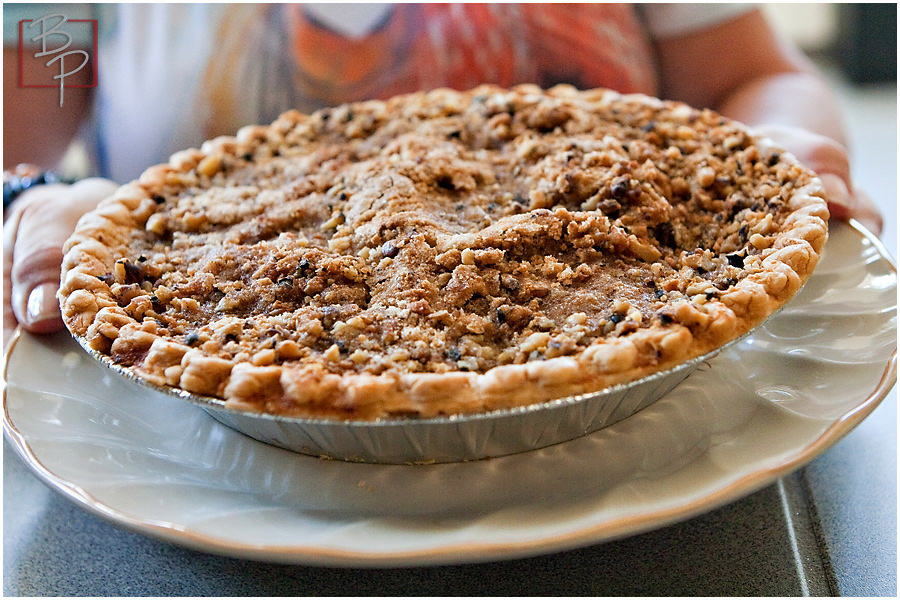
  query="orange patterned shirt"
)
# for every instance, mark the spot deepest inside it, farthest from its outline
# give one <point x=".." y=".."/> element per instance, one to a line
<point x="175" y="74"/>
<point x="422" y="46"/>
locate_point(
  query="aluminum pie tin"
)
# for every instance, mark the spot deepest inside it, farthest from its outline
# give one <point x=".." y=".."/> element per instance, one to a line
<point x="447" y="439"/>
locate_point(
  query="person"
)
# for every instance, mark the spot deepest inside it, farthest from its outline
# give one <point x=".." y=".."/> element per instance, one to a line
<point x="174" y="75"/>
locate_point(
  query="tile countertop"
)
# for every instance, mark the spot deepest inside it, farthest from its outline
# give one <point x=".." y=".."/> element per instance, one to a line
<point x="828" y="529"/>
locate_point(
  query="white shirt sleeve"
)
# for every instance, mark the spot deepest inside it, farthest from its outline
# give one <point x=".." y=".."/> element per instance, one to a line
<point x="666" y="20"/>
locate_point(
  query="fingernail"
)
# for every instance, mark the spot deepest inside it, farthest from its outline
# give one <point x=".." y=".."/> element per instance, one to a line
<point x="42" y="304"/>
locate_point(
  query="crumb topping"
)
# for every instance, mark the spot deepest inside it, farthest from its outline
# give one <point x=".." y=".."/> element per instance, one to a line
<point x="438" y="233"/>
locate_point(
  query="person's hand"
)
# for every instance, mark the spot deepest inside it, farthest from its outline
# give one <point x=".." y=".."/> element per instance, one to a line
<point x="829" y="159"/>
<point x="34" y="232"/>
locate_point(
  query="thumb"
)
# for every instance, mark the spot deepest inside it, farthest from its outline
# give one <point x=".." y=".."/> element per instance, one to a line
<point x="35" y="280"/>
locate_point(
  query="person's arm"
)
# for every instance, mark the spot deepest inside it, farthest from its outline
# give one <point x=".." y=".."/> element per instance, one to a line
<point x="743" y="70"/>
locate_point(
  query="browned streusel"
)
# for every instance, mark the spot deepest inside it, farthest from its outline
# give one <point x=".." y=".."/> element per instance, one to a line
<point x="444" y="252"/>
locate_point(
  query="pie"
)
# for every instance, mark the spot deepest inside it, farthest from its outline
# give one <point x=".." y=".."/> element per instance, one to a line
<point x="443" y="253"/>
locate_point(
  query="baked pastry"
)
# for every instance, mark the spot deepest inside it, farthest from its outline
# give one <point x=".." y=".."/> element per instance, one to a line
<point x="443" y="252"/>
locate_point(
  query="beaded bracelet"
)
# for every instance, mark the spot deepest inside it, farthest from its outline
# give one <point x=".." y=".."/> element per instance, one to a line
<point x="24" y="177"/>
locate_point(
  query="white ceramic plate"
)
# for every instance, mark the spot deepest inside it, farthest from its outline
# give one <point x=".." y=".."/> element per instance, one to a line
<point x="760" y="409"/>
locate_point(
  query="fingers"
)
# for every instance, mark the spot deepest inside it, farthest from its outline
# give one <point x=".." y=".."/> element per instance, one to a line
<point x="818" y="152"/>
<point x="829" y="159"/>
<point x="33" y="237"/>
<point x="844" y="205"/>
<point x="840" y="202"/>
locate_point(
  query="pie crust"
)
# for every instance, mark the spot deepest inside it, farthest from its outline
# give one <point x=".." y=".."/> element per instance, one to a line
<point x="443" y="252"/>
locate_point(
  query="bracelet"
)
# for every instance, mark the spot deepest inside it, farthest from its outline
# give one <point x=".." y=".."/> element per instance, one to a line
<point x="24" y="177"/>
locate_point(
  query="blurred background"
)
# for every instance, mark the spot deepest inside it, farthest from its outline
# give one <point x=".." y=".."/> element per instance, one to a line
<point x="856" y="46"/>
